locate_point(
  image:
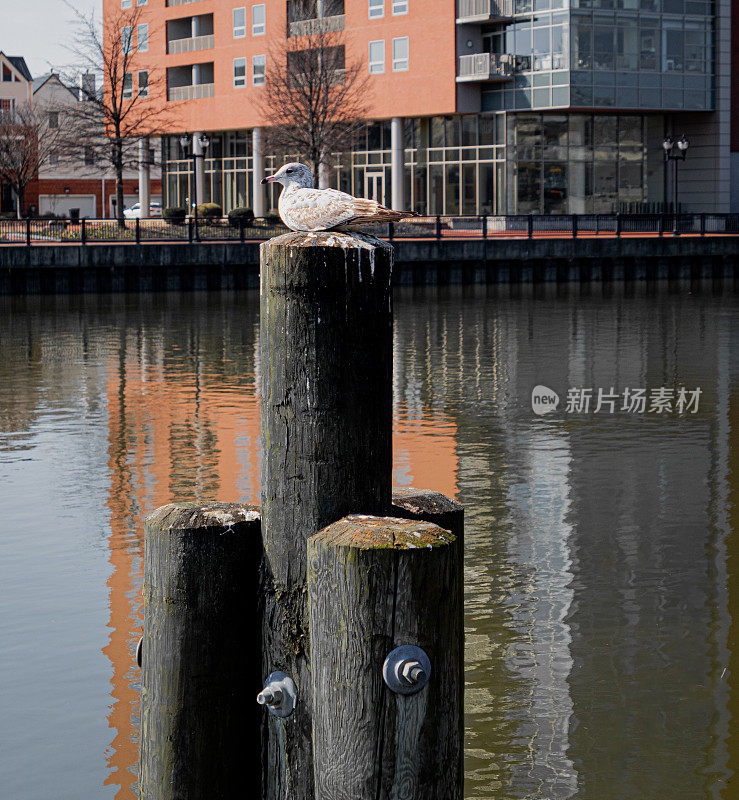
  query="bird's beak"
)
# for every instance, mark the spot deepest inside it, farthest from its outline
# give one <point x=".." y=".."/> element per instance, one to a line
<point x="269" y="179"/>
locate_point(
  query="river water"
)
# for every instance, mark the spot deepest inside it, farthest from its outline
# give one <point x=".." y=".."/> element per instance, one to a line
<point x="601" y="563"/>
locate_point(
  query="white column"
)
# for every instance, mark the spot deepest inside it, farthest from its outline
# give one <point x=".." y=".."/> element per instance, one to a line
<point x="195" y="26"/>
<point x="396" y="163"/>
<point x="197" y="150"/>
<point x="144" y="177"/>
<point x="324" y="174"/>
<point x="257" y="153"/>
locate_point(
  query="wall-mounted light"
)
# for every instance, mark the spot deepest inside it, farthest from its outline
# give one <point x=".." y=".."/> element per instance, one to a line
<point x="66" y="190"/>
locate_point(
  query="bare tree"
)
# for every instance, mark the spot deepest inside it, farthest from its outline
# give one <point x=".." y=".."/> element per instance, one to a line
<point x="315" y="100"/>
<point x="131" y="104"/>
<point x="30" y="138"/>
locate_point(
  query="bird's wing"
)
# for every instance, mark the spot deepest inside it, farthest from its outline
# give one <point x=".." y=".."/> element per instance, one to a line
<point x="320" y="209"/>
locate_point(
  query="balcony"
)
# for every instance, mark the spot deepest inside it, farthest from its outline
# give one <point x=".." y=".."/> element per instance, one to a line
<point x="192" y="92"/>
<point x="190" y="44"/>
<point x="485" y="67"/>
<point x="305" y="27"/>
<point x="478" y="11"/>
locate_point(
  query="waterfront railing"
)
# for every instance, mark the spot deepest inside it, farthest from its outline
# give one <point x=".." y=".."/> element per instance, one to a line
<point x="511" y="226"/>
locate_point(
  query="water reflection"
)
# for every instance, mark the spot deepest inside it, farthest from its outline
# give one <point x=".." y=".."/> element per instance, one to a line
<point x="600" y="565"/>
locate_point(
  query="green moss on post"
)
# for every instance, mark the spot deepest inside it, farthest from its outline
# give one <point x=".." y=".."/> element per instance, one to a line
<point x="375" y="583"/>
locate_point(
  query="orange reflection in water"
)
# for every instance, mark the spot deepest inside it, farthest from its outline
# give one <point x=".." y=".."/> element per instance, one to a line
<point x="181" y="436"/>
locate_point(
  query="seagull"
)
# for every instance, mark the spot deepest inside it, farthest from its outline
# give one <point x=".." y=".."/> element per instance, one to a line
<point x="303" y="208"/>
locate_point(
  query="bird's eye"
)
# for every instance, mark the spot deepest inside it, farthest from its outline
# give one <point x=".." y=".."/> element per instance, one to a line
<point x="288" y="170"/>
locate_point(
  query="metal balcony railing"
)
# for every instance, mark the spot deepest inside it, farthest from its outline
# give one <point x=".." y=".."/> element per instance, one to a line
<point x="484" y="67"/>
<point x="483" y="10"/>
<point x="171" y="3"/>
<point x="193" y="92"/>
<point x="306" y="27"/>
<point x="190" y="44"/>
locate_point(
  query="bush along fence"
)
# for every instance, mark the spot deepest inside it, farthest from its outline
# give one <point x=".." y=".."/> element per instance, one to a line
<point x="311" y="649"/>
<point x="243" y="227"/>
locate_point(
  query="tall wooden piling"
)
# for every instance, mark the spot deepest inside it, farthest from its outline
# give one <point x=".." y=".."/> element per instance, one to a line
<point x="201" y="660"/>
<point x="375" y="584"/>
<point x="326" y="369"/>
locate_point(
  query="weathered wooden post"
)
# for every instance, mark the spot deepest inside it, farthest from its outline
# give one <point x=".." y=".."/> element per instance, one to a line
<point x="201" y="660"/>
<point x="326" y="368"/>
<point x="376" y="584"/>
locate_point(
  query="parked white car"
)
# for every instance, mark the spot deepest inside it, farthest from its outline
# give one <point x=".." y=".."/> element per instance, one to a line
<point x="155" y="210"/>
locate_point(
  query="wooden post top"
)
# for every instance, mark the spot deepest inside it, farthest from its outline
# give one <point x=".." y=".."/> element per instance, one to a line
<point x="423" y="501"/>
<point x="343" y="239"/>
<point x="202" y="514"/>
<point x="364" y="532"/>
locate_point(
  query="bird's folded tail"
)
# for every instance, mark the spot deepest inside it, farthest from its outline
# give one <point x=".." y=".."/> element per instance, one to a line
<point x="370" y="211"/>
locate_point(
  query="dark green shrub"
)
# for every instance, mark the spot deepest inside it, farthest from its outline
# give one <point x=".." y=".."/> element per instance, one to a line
<point x="272" y="219"/>
<point x="240" y="216"/>
<point x="174" y="215"/>
<point x="210" y="211"/>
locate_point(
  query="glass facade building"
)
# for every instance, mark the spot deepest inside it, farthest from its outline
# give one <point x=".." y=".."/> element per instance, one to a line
<point x="562" y="107"/>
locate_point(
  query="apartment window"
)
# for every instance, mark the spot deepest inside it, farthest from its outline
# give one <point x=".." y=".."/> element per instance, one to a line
<point x="376" y="9"/>
<point x="400" y="7"/>
<point x="53" y="159"/>
<point x="142" y="37"/>
<point x="258" y="20"/>
<point x="142" y="2"/>
<point x="126" y="4"/>
<point x="53" y="119"/>
<point x="89" y="156"/>
<point x="377" y="57"/>
<point x="6" y="106"/>
<point x="239" y="72"/>
<point x="144" y="83"/>
<point x="259" y="70"/>
<point x="126" y="38"/>
<point x="128" y="84"/>
<point x="239" y="23"/>
<point x="400" y="54"/>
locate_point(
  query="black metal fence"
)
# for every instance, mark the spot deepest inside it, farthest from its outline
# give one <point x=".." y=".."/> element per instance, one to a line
<point x="512" y="226"/>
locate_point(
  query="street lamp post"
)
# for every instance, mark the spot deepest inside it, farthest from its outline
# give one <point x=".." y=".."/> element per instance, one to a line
<point x="204" y="142"/>
<point x="675" y="151"/>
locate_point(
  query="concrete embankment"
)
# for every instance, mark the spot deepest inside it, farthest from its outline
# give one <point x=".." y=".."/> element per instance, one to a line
<point x="60" y="269"/>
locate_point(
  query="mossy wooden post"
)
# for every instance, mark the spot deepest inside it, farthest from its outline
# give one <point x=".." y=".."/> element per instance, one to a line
<point x="431" y="506"/>
<point x="326" y="387"/>
<point x="201" y="660"/>
<point x="375" y="584"/>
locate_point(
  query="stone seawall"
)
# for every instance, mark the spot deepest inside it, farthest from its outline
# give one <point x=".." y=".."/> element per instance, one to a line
<point x="69" y="268"/>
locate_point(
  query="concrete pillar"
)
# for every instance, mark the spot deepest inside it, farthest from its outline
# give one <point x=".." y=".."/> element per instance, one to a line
<point x="396" y="163"/>
<point x="144" y="177"/>
<point x="197" y="150"/>
<point x="258" y="191"/>
<point x="195" y="26"/>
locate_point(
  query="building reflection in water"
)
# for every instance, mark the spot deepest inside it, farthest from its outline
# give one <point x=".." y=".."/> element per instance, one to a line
<point x="601" y="562"/>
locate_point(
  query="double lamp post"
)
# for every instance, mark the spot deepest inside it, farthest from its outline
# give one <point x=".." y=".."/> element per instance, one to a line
<point x="675" y="151"/>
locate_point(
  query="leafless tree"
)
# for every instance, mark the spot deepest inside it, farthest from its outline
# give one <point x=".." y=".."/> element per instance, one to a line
<point x="29" y="140"/>
<point x="131" y="103"/>
<point x="315" y="99"/>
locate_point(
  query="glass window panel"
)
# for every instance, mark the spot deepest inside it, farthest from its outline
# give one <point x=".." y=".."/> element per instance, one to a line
<point x="142" y="37"/>
<point x="436" y="189"/>
<point x="239" y="72"/>
<point x="487" y="130"/>
<point x="486" y="188"/>
<point x="239" y="23"/>
<point x="582" y="45"/>
<point x="555" y="130"/>
<point x="144" y="83"/>
<point x="469" y="130"/>
<point x="649" y="48"/>
<point x="258" y="20"/>
<point x="603" y="48"/>
<point x="376" y="9"/>
<point x="400" y="6"/>
<point x="555" y="188"/>
<point x="528" y="136"/>
<point x="451" y="130"/>
<point x="672" y="42"/>
<point x="627" y="48"/>
<point x="259" y="70"/>
<point x="469" y="189"/>
<point x="419" y="190"/>
<point x="400" y="54"/>
<point x="560" y="96"/>
<point x="377" y="57"/>
<point x="605" y="187"/>
<point x="673" y="6"/>
<point x="528" y="188"/>
<point x="630" y="183"/>
<point x="605" y="131"/>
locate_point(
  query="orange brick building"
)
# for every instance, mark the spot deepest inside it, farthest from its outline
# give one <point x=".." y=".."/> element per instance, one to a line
<point x="475" y="106"/>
